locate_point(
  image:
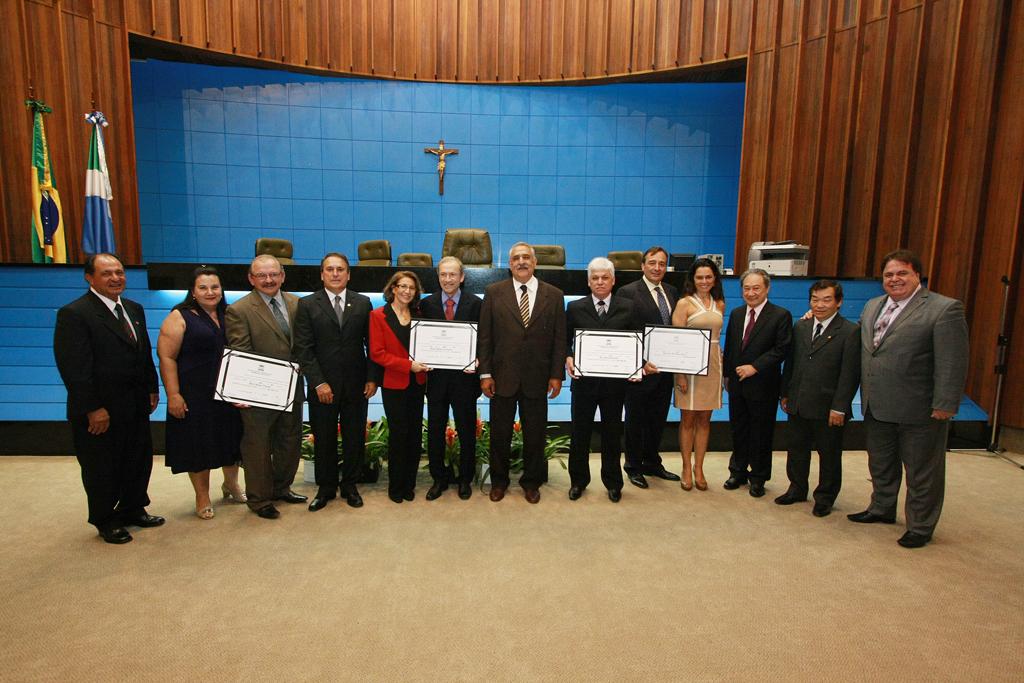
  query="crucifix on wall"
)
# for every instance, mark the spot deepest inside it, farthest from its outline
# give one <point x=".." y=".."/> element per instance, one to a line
<point x="441" y="153"/>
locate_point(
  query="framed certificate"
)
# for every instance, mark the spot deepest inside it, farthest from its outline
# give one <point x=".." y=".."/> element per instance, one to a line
<point x="443" y="344"/>
<point x="678" y="349"/>
<point x="255" y="380"/>
<point x="609" y="353"/>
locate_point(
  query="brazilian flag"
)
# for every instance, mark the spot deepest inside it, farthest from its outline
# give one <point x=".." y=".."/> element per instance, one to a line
<point x="48" y="244"/>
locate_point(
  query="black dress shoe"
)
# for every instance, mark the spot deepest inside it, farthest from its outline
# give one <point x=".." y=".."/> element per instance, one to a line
<point x="116" y="535"/>
<point x="575" y="492"/>
<point x="436" y="490"/>
<point x="756" y="489"/>
<point x="465" y="490"/>
<point x="788" y="498"/>
<point x="395" y="498"/>
<point x="353" y="499"/>
<point x="912" y="539"/>
<point x="614" y="495"/>
<point x="637" y="479"/>
<point x="409" y="495"/>
<point x="497" y="492"/>
<point x="318" y="503"/>
<point x="268" y="512"/>
<point x="144" y="520"/>
<point x="821" y="510"/>
<point x="732" y="483"/>
<point x="290" y="496"/>
<point x="869" y="517"/>
<point x="662" y="473"/>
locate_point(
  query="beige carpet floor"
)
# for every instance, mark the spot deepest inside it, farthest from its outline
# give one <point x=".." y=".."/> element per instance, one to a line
<point x="667" y="585"/>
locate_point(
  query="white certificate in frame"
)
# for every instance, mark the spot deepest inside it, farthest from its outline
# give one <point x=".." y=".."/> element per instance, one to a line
<point x="255" y="380"/>
<point x="678" y="349"/>
<point x="443" y="344"/>
<point x="609" y="353"/>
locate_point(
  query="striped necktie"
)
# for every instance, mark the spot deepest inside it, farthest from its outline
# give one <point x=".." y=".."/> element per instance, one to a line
<point x="524" y="305"/>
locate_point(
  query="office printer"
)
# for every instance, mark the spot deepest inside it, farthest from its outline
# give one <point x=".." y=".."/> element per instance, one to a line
<point x="779" y="258"/>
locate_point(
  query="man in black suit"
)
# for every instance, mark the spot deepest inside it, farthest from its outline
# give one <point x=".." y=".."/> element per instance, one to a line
<point x="454" y="388"/>
<point x="818" y="383"/>
<point x="599" y="311"/>
<point x="521" y="345"/>
<point x="757" y="340"/>
<point x="332" y="327"/>
<point x="105" y="359"/>
<point x="647" y="401"/>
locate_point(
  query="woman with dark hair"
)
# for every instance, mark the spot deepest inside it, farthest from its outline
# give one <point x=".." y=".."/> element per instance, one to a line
<point x="702" y="306"/>
<point x="404" y="381"/>
<point x="202" y="433"/>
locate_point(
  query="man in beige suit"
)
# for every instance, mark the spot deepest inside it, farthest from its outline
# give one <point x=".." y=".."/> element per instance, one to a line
<point x="261" y="322"/>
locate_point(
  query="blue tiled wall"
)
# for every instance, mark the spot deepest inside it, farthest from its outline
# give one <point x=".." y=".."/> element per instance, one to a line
<point x="31" y="389"/>
<point x="226" y="155"/>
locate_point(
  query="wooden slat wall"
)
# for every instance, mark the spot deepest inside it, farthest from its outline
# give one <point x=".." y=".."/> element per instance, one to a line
<point x="869" y="124"/>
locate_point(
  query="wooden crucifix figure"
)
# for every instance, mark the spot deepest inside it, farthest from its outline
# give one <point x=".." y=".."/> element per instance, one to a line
<point x="441" y="153"/>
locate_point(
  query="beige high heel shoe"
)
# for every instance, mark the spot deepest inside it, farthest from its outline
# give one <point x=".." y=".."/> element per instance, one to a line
<point x="233" y="496"/>
<point x="205" y="513"/>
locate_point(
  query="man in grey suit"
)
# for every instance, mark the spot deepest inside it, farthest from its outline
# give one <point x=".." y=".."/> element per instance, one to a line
<point x="821" y="376"/>
<point x="260" y="322"/>
<point x="913" y="369"/>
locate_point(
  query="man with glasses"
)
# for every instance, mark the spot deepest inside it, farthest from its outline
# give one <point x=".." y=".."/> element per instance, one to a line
<point x="261" y="322"/>
<point x="331" y="343"/>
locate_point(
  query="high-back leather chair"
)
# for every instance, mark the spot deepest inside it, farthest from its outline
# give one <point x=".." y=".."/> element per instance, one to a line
<point x="626" y="260"/>
<point x="550" y="256"/>
<point x="412" y="259"/>
<point x="278" y="248"/>
<point x="472" y="246"/>
<point x="374" y="253"/>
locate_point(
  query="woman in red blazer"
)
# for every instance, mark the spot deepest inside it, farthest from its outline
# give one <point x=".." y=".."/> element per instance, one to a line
<point x="404" y="381"/>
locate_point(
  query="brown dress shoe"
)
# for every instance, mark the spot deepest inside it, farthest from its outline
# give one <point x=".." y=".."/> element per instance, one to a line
<point x="532" y="496"/>
<point x="497" y="493"/>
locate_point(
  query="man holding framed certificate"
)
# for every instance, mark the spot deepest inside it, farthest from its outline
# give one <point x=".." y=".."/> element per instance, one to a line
<point x="586" y="319"/>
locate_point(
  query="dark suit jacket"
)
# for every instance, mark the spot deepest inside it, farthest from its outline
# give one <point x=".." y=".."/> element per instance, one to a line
<point x="518" y="357"/>
<point x="822" y="376"/>
<point x="388" y="351"/>
<point x="465" y="384"/>
<point x="582" y="314"/>
<point x="333" y="354"/>
<point x="251" y="327"/>
<point x="645" y="311"/>
<point x="100" y="365"/>
<point x="766" y="351"/>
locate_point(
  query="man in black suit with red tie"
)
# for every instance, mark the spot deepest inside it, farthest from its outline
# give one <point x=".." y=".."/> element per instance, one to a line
<point x="454" y="388"/>
<point x="521" y="346"/>
<point x="757" y="340"/>
<point x="104" y="356"/>
<point x="331" y="341"/>
<point x="599" y="311"/>
<point x="647" y="401"/>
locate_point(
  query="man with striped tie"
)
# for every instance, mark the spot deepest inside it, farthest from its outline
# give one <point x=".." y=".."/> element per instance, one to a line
<point x="521" y="347"/>
<point x="914" y="347"/>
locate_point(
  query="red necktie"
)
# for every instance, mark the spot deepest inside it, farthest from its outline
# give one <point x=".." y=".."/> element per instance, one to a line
<point x="749" y="329"/>
<point x="449" y="309"/>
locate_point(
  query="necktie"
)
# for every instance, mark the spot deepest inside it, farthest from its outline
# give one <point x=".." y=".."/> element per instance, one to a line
<point x="883" y="322"/>
<point x="524" y="305"/>
<point x="449" y="309"/>
<point x="279" y="317"/>
<point x="337" y="308"/>
<point x="666" y="315"/>
<point x="601" y="309"/>
<point x="749" y="329"/>
<point x="125" y="323"/>
<point x="817" y="333"/>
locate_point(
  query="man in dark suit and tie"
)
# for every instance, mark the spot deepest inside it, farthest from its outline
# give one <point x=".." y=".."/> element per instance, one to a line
<point x="914" y="350"/>
<point x="332" y="327"/>
<point x="818" y="383"/>
<point x="104" y="357"/>
<point x="521" y="345"/>
<point x="647" y="401"/>
<point x="757" y="340"/>
<point x="599" y="311"/>
<point x="261" y="322"/>
<point x="454" y="388"/>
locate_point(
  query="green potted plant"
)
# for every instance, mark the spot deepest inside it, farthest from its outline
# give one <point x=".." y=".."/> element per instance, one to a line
<point x="376" y="438"/>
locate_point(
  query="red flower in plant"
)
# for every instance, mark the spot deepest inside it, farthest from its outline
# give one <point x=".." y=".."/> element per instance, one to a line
<point x="479" y="427"/>
<point x="516" y="426"/>
<point x="366" y="434"/>
<point x="449" y="436"/>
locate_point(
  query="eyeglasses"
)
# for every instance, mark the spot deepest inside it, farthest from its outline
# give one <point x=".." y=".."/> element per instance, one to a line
<point x="411" y="288"/>
<point x="266" y="276"/>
